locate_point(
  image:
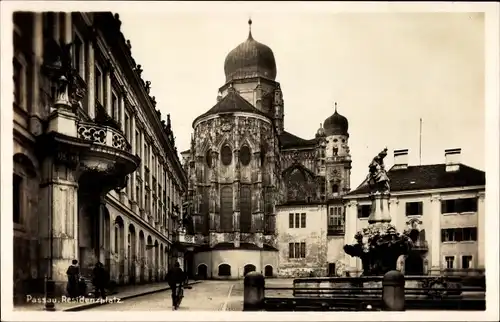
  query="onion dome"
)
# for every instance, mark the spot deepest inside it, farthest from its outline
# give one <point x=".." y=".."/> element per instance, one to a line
<point x="321" y="131"/>
<point x="250" y="59"/>
<point x="336" y="124"/>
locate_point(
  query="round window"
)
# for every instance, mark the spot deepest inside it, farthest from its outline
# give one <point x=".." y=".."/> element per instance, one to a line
<point x="343" y="140"/>
<point x="335" y="140"/>
<point x="226" y="155"/>
<point x="245" y="155"/>
<point x="208" y="158"/>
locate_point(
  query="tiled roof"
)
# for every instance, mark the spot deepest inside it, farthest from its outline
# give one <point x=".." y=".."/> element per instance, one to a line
<point x="232" y="102"/>
<point x="288" y="140"/>
<point x="426" y="177"/>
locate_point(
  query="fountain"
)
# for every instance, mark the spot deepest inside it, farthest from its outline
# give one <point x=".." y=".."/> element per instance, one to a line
<point x="380" y="244"/>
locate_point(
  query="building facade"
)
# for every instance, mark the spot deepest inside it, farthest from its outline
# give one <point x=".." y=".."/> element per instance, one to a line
<point x="248" y="177"/>
<point x="444" y="202"/>
<point x="311" y="216"/>
<point x="96" y="172"/>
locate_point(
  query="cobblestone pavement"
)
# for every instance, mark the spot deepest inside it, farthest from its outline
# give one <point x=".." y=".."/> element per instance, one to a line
<point x="206" y="296"/>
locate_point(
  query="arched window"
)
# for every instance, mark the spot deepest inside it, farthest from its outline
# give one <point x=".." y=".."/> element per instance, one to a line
<point x="226" y="155"/>
<point x="245" y="208"/>
<point x="335" y="188"/>
<point x="245" y="155"/>
<point x="226" y="208"/>
<point x="224" y="270"/>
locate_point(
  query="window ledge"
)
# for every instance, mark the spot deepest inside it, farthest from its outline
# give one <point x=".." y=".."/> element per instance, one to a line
<point x="450" y="213"/>
<point x="414" y="216"/>
<point x="449" y="242"/>
<point x="468" y="213"/>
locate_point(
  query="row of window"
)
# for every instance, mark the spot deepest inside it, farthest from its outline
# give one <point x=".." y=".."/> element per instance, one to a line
<point x="297" y="250"/>
<point x="226" y="154"/>
<point x="459" y="234"/>
<point x="297" y="220"/>
<point x="160" y="187"/>
<point x="461" y="206"/>
<point x="466" y="262"/>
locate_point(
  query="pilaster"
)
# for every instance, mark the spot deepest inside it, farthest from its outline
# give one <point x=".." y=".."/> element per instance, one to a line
<point x="90" y="75"/>
<point x="435" y="236"/>
<point x="123" y="97"/>
<point x="59" y="232"/>
<point x="481" y="236"/>
<point x="37" y="44"/>
<point x="108" y="92"/>
<point x="236" y="196"/>
<point x="68" y="28"/>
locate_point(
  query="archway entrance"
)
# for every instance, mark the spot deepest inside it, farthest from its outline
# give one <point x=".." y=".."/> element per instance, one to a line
<point x="142" y="257"/>
<point x="268" y="271"/>
<point x="248" y="268"/>
<point x="131" y="253"/>
<point x="224" y="270"/>
<point x="202" y="271"/>
<point x="414" y="264"/>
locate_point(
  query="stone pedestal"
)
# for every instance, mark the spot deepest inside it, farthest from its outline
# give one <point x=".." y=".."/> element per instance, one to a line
<point x="380" y="208"/>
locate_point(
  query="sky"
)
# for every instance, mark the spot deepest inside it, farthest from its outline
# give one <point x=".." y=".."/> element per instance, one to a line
<point x="386" y="71"/>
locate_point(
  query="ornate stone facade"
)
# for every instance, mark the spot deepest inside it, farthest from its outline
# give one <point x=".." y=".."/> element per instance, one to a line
<point x="243" y="166"/>
<point x="96" y="173"/>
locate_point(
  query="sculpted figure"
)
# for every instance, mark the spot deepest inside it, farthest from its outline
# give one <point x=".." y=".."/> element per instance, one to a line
<point x="378" y="179"/>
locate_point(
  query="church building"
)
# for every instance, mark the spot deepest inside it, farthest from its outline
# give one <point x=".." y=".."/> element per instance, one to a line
<point x="261" y="198"/>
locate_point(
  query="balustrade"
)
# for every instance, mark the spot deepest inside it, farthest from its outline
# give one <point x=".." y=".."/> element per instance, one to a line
<point x="104" y="135"/>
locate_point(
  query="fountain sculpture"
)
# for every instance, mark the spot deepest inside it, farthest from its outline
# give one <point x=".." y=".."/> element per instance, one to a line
<point x="379" y="245"/>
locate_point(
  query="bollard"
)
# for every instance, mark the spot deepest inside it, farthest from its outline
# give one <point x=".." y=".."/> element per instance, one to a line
<point x="253" y="292"/>
<point x="49" y="295"/>
<point x="393" y="291"/>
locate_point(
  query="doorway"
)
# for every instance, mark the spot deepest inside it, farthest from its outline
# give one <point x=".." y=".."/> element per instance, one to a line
<point x="331" y="270"/>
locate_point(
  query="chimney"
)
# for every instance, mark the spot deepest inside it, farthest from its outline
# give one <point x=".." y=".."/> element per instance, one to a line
<point x="452" y="159"/>
<point x="400" y="159"/>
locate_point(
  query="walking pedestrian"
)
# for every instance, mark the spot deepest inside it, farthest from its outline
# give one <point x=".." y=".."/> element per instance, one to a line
<point x="175" y="278"/>
<point x="73" y="273"/>
<point x="100" y="280"/>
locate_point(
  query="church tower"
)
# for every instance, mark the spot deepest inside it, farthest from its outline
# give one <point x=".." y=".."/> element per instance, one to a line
<point x="337" y="156"/>
<point x="234" y="168"/>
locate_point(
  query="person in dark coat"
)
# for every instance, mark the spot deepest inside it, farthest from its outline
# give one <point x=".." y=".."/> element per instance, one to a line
<point x="175" y="278"/>
<point x="100" y="280"/>
<point x="73" y="274"/>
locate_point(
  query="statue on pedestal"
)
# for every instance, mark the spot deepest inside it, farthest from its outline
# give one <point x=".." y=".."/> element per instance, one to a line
<point x="379" y="245"/>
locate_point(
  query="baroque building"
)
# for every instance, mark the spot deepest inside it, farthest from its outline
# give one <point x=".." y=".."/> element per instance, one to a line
<point x="443" y="203"/>
<point x="96" y="174"/>
<point x="247" y="176"/>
